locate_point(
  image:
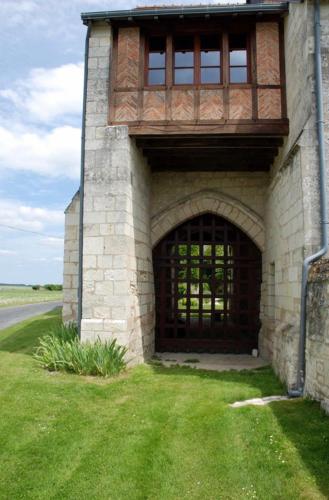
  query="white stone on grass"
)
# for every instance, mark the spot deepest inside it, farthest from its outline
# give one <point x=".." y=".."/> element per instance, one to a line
<point x="258" y="401"/>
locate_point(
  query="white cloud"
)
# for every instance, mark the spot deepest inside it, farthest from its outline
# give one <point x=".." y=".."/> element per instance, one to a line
<point x="7" y="252"/>
<point x="53" y="242"/>
<point x="53" y="154"/>
<point x="15" y="214"/>
<point x="47" y="94"/>
<point x="44" y="96"/>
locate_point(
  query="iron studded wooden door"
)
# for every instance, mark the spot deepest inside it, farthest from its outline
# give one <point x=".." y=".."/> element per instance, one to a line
<point x="207" y="282"/>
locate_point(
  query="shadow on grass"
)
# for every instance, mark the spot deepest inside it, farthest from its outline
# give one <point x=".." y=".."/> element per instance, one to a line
<point x="303" y="422"/>
<point x="262" y="379"/>
<point x="306" y="426"/>
<point x="23" y="337"/>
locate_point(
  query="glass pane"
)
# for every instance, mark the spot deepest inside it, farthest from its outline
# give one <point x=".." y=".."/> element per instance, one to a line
<point x="182" y="304"/>
<point x="211" y="58"/>
<point x="195" y="273"/>
<point x="182" y="289"/>
<point x="238" y="58"/>
<point x="157" y="44"/>
<point x="238" y="42"/>
<point x="182" y="274"/>
<point x="206" y="273"/>
<point x="209" y="42"/>
<point x="157" y="60"/>
<point x="238" y="75"/>
<point x="195" y="250"/>
<point x="184" y="43"/>
<point x="182" y="249"/>
<point x="184" y="76"/>
<point x="184" y="59"/>
<point x="206" y="289"/>
<point x="230" y="273"/>
<point x="157" y="77"/>
<point x="229" y="250"/>
<point x="219" y="250"/>
<point x="219" y="304"/>
<point x="194" y="304"/>
<point x="206" y="304"/>
<point x="219" y="273"/>
<point x="207" y="250"/>
<point x="210" y="75"/>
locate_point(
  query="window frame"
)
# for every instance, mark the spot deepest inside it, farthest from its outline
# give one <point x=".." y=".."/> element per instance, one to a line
<point x="194" y="67"/>
<point x="146" y="59"/>
<point x="224" y="50"/>
<point x="248" y="57"/>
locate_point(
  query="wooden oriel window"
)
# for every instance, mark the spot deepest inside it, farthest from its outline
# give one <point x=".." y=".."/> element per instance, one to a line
<point x="197" y="59"/>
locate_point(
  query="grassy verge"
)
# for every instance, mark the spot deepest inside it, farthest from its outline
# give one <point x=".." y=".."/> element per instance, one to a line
<point x="17" y="296"/>
<point x="151" y="433"/>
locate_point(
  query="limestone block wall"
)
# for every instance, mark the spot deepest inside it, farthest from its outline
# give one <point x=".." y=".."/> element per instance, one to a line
<point x="71" y="247"/>
<point x="292" y="212"/>
<point x="291" y="204"/>
<point x="283" y="258"/>
<point x="317" y="346"/>
<point x="117" y="284"/>
<point x="248" y="188"/>
<point x="117" y="260"/>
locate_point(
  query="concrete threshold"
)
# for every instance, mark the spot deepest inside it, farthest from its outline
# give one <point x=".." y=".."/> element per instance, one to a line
<point x="216" y="362"/>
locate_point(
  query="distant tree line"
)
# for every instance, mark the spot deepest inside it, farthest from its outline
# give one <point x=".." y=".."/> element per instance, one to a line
<point x="51" y="287"/>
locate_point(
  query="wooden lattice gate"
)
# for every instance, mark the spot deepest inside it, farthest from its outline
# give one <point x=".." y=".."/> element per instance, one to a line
<point x="207" y="281"/>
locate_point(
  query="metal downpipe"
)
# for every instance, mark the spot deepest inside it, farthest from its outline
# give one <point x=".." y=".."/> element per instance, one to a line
<point x="82" y="177"/>
<point x="323" y="202"/>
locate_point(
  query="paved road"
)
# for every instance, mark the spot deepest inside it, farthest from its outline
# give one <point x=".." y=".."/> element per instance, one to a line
<point x="11" y="315"/>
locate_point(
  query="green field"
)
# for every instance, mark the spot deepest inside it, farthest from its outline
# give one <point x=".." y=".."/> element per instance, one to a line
<point x="19" y="295"/>
<point x="152" y="433"/>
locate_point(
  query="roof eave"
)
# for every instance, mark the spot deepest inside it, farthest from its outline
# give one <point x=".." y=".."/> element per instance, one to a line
<point x="199" y="11"/>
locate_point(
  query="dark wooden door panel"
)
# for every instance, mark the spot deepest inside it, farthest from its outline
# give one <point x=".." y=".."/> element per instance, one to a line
<point x="207" y="283"/>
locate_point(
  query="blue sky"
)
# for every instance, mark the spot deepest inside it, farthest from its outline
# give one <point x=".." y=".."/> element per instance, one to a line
<point x="41" y="70"/>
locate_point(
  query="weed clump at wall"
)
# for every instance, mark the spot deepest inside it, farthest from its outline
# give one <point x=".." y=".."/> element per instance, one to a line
<point x="61" y="350"/>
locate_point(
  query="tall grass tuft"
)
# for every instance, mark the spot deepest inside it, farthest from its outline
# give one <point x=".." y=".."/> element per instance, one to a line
<point x="61" y="350"/>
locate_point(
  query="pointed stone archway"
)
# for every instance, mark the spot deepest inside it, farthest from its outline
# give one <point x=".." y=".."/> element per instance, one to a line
<point x="210" y="201"/>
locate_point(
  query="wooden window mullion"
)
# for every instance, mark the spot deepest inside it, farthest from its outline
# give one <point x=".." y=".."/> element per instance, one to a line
<point x="226" y="61"/>
<point x="225" y="74"/>
<point x="197" y="60"/>
<point x="169" y="74"/>
<point x="169" y="61"/>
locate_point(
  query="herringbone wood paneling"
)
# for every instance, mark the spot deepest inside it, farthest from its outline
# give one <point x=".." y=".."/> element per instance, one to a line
<point x="269" y="104"/>
<point x="268" y="54"/>
<point x="182" y="105"/>
<point x="125" y="106"/>
<point x="154" y="105"/>
<point x="240" y="104"/>
<point x="211" y="104"/>
<point x="128" y="58"/>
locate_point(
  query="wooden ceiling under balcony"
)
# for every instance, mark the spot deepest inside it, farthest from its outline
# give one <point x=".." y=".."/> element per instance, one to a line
<point x="209" y="153"/>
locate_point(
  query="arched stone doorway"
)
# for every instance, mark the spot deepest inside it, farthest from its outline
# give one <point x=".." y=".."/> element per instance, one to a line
<point x="207" y="285"/>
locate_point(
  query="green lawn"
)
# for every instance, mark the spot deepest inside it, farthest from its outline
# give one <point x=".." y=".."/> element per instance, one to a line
<point x="152" y="433"/>
<point x="19" y="295"/>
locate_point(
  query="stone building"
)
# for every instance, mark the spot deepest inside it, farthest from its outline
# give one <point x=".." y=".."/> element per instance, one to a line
<point x="199" y="195"/>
